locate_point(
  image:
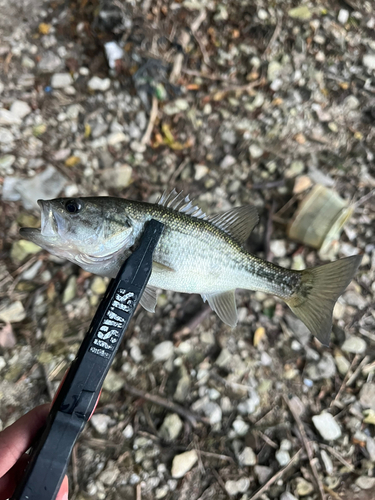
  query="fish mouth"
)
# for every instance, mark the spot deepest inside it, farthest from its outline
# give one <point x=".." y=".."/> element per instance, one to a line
<point x="48" y="225"/>
<point x="48" y="221"/>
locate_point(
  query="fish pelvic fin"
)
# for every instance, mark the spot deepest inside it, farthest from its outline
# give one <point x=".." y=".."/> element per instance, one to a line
<point x="224" y="304"/>
<point x="320" y="287"/>
<point x="149" y="298"/>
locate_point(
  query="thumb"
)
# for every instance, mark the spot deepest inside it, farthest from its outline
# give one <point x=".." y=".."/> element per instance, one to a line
<point x="64" y="490"/>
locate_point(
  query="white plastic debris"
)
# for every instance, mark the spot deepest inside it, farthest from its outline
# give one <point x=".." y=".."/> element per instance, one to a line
<point x="113" y="52"/>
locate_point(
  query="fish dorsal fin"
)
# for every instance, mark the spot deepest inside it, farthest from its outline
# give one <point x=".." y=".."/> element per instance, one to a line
<point x="148" y="299"/>
<point x="237" y="222"/>
<point x="224" y="304"/>
<point x="180" y="203"/>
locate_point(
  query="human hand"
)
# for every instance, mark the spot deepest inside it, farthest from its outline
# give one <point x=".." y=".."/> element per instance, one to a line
<point x="14" y="441"/>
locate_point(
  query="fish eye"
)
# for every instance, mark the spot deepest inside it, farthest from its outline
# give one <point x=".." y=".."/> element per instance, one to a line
<point x="73" y="206"/>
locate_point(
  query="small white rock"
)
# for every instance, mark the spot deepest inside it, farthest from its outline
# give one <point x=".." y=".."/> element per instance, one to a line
<point x="200" y="172"/>
<point x="365" y="482"/>
<point x="6" y="161"/>
<point x="343" y="16"/>
<point x="163" y="351"/>
<point x="100" y="84"/>
<point x="61" y="80"/>
<point x="113" y="52"/>
<point x="138" y="147"/>
<point x="116" y="138"/>
<point x="327" y="426"/>
<point x="247" y="457"/>
<point x="101" y="422"/>
<point x="183" y="463"/>
<point x="243" y="484"/>
<point x="231" y="488"/>
<point x="2" y="365"/>
<point x="282" y="457"/>
<point x="354" y="345"/>
<point x="128" y="432"/>
<point x="9" y="118"/>
<point x="278" y="248"/>
<point x="171" y="427"/>
<point x="13" y="312"/>
<point x="255" y="151"/>
<point x="136" y="354"/>
<point x="240" y="427"/>
<point x="369" y="61"/>
<point x="227" y="162"/>
<point x="20" y="109"/>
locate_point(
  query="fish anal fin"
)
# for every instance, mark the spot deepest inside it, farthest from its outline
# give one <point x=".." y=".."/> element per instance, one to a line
<point x="224" y="304"/>
<point x="237" y="222"/>
<point x="148" y="299"/>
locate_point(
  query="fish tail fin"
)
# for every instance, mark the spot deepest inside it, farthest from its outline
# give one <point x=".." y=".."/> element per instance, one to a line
<point x="319" y="289"/>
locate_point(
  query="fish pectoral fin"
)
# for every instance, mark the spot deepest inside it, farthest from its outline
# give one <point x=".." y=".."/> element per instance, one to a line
<point x="224" y="304"/>
<point x="83" y="259"/>
<point x="237" y="222"/>
<point x="158" y="267"/>
<point x="148" y="299"/>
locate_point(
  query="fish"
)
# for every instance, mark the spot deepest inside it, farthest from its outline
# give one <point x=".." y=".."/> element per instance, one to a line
<point x="197" y="253"/>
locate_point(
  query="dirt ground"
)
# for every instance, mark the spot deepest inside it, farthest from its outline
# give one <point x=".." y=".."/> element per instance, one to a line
<point x="234" y="102"/>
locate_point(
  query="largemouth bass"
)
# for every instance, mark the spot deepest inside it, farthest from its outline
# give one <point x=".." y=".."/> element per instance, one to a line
<point x="196" y="254"/>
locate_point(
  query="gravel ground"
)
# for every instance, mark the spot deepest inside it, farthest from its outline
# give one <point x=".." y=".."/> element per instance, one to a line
<point x="235" y="102"/>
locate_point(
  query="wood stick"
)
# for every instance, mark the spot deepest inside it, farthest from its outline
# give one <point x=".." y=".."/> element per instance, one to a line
<point x="307" y="446"/>
<point x="277" y="476"/>
<point x="165" y="403"/>
<point x="153" y="115"/>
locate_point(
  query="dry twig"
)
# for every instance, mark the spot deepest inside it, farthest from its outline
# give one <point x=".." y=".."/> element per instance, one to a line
<point x="153" y="115"/>
<point x="139" y="492"/>
<point x="238" y="88"/>
<point x="307" y="446"/>
<point x="277" y="476"/>
<point x="165" y="403"/>
<point x="364" y="361"/>
<point x="337" y="455"/>
<point x="344" y="382"/>
<point x="192" y="323"/>
<point x="220" y="481"/>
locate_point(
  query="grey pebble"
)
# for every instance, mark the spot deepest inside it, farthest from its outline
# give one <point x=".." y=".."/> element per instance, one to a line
<point x="50" y="62"/>
<point x="367" y="395"/>
<point x="365" y="482"/>
<point x="6" y="162"/>
<point x="263" y="473"/>
<point x="6" y="136"/>
<point x="171" y="427"/>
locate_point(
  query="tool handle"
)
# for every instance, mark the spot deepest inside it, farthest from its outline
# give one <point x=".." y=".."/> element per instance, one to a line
<point x="78" y="395"/>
